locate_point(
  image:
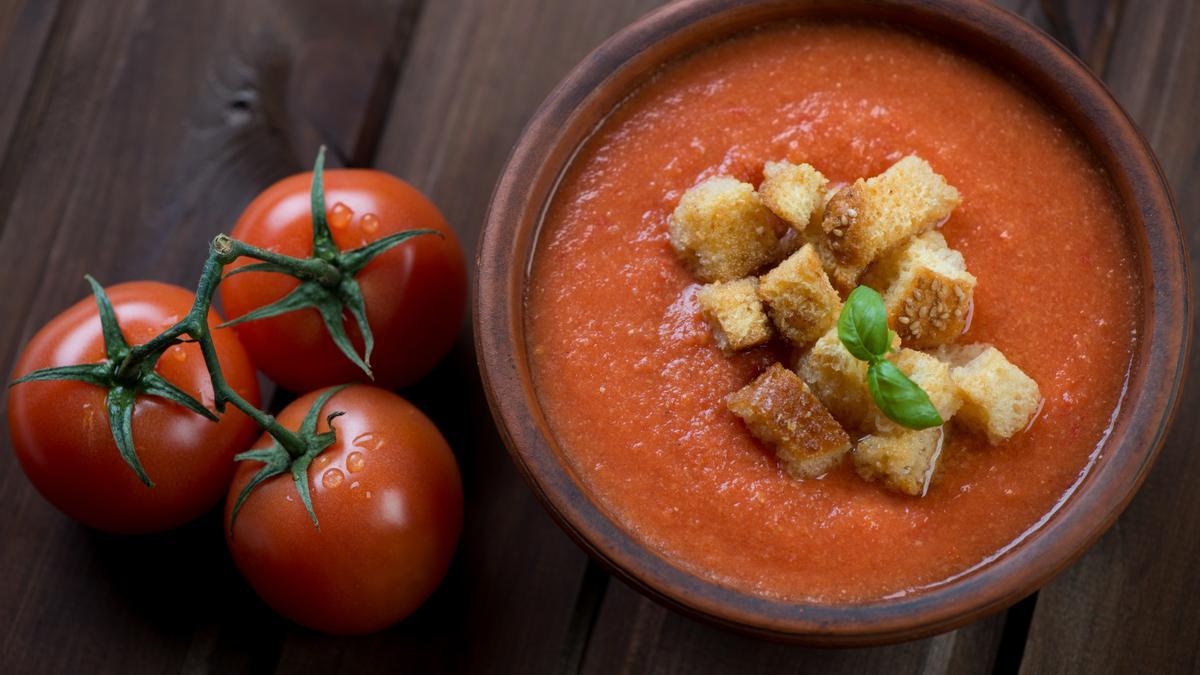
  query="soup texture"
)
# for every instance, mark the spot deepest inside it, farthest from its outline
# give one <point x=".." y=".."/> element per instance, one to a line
<point x="634" y="387"/>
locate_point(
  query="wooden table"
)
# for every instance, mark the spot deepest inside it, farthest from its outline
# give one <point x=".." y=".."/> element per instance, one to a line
<point x="131" y="132"/>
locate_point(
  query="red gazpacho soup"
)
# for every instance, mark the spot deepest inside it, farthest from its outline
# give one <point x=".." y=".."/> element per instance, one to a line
<point x="634" y="386"/>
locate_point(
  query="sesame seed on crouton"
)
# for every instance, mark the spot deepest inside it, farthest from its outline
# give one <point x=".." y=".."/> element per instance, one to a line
<point x="794" y="192"/>
<point x="780" y="411"/>
<point x="904" y="461"/>
<point x="722" y="231"/>
<point x="874" y="215"/>
<point x="735" y="314"/>
<point x="930" y="374"/>
<point x="800" y="300"/>
<point x="998" y="398"/>
<point x="839" y="380"/>
<point x="927" y="290"/>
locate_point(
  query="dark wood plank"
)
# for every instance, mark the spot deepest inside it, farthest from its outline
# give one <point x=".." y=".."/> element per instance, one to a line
<point x="634" y="635"/>
<point x="466" y="91"/>
<point x="1130" y="604"/>
<point x="160" y="122"/>
<point x="26" y="53"/>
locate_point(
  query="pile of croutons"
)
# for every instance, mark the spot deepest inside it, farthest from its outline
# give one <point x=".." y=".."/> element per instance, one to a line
<point x="816" y="243"/>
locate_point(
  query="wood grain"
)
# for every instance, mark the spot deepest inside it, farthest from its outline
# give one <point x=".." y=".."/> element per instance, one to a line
<point x="1130" y="604"/>
<point x="154" y="124"/>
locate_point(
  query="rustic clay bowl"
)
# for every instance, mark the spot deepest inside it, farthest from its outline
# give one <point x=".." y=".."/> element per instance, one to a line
<point x="993" y="35"/>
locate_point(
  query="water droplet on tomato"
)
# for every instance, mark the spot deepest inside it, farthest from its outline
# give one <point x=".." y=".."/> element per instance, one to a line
<point x="322" y="460"/>
<point x="333" y="478"/>
<point x="339" y="216"/>
<point x="368" y="441"/>
<point x="367" y="494"/>
<point x="355" y="462"/>
<point x="178" y="354"/>
<point x="370" y="223"/>
<point x="354" y="485"/>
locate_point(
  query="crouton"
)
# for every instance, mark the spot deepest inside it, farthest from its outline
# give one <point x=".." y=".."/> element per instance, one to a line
<point x="904" y="461"/>
<point x="927" y="290"/>
<point x="800" y="300"/>
<point x="874" y="215"/>
<point x="735" y="314"/>
<point x="838" y="379"/>
<point x="998" y="398"/>
<point x="780" y="411"/>
<point x="722" y="231"/>
<point x="794" y="192"/>
<point x="930" y="374"/>
<point x="844" y="278"/>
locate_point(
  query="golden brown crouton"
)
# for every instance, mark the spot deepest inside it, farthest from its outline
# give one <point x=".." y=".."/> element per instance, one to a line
<point x="838" y="379"/>
<point x="904" y="461"/>
<point x="930" y="374"/>
<point x="780" y="411"/>
<point x="735" y="313"/>
<point x="874" y="215"/>
<point x="794" y="192"/>
<point x="722" y="231"/>
<point x="844" y="278"/>
<point x="799" y="298"/>
<point x="927" y="290"/>
<point x="998" y="398"/>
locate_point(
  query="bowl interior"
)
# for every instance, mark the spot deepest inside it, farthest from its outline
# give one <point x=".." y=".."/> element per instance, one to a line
<point x="602" y="81"/>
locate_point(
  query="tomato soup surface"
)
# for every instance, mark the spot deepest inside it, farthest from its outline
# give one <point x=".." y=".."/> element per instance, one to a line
<point x="634" y="386"/>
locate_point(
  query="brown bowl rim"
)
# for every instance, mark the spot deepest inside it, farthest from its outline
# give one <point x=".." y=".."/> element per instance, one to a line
<point x="509" y="238"/>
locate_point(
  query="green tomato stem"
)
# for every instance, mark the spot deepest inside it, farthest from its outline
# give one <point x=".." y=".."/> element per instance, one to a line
<point x="195" y="326"/>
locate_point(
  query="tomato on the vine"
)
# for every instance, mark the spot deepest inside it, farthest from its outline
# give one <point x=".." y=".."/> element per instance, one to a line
<point x="61" y="433"/>
<point x="387" y="498"/>
<point x="414" y="294"/>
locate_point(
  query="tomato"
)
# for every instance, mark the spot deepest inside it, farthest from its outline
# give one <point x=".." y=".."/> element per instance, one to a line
<point x="415" y="293"/>
<point x="61" y="434"/>
<point x="388" y="498"/>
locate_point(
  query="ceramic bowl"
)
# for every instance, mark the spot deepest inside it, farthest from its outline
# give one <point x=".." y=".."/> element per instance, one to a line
<point x="988" y="33"/>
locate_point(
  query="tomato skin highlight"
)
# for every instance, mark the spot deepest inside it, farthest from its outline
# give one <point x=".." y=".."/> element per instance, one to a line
<point x="415" y="293"/>
<point x="388" y="496"/>
<point x="62" y="438"/>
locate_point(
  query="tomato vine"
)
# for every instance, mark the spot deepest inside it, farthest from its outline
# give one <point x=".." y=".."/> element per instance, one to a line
<point x="327" y="285"/>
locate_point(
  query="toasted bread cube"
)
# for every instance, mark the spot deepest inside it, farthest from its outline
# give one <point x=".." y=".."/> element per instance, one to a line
<point x="998" y="398"/>
<point x="904" y="461"/>
<point x="780" y="411"/>
<point x="927" y="290"/>
<point x="800" y="300"/>
<point x="838" y="379"/>
<point x="794" y="192"/>
<point x="735" y="313"/>
<point x="874" y="215"/>
<point x="722" y="231"/>
<point x="930" y="374"/>
<point x="844" y="278"/>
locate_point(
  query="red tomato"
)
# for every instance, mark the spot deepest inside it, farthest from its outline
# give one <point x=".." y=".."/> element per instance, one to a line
<point x="388" y="497"/>
<point x="61" y="434"/>
<point x="414" y="293"/>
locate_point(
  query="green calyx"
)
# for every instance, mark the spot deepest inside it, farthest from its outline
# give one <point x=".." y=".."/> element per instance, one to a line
<point x="863" y="330"/>
<point x="125" y="377"/>
<point x="327" y="278"/>
<point x="279" y="457"/>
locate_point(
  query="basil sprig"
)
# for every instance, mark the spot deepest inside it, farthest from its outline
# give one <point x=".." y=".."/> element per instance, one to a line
<point x="863" y="329"/>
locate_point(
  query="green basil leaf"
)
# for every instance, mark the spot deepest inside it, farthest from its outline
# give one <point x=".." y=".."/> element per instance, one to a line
<point x="862" y="326"/>
<point x="900" y="398"/>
